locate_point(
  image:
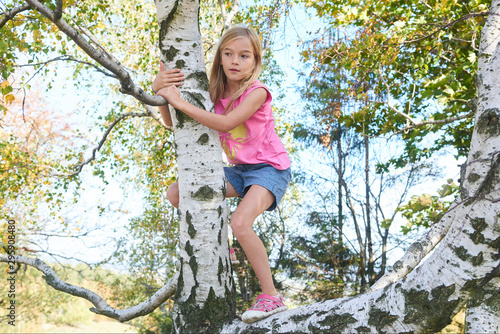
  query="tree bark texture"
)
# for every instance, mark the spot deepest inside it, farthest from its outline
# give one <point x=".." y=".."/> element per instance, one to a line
<point x="205" y="296"/>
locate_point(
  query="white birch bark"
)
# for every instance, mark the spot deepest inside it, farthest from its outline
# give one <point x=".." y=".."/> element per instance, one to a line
<point x="205" y="292"/>
<point x="483" y="310"/>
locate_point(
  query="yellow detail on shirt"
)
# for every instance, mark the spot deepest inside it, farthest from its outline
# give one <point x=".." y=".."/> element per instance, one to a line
<point x="233" y="140"/>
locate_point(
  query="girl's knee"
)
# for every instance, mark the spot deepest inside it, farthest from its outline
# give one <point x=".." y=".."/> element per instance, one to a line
<point x="173" y="194"/>
<point x="241" y="227"/>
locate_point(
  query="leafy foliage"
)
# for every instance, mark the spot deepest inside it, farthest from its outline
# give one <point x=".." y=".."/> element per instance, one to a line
<point x="409" y="62"/>
<point x="425" y="210"/>
<point x="31" y="146"/>
<point x="319" y="257"/>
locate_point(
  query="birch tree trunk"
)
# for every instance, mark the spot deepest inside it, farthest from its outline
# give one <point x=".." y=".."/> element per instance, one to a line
<point x="464" y="268"/>
<point x="205" y="296"/>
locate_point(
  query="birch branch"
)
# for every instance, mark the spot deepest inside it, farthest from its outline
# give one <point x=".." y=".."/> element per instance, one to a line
<point x="227" y="18"/>
<point x="69" y="58"/>
<point x="79" y="167"/>
<point x="59" y="9"/>
<point x="436" y="122"/>
<point x="9" y="15"/>
<point x="103" y="58"/>
<point x="450" y="24"/>
<point x="101" y="307"/>
<point x="93" y="39"/>
<point x="150" y="111"/>
<point x="416" y="252"/>
<point x="408" y="118"/>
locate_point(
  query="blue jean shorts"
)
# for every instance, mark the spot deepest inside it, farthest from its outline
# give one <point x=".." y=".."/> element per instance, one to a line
<point x="274" y="180"/>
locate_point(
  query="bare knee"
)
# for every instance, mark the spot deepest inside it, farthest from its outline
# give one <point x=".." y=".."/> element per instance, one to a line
<point x="173" y="194"/>
<point x="241" y="227"/>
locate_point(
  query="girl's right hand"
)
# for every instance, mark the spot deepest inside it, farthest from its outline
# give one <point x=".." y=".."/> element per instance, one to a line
<point x="166" y="78"/>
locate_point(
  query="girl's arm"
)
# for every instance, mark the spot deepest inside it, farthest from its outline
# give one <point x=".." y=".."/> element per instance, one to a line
<point x="166" y="78"/>
<point x="165" y="114"/>
<point x="221" y="123"/>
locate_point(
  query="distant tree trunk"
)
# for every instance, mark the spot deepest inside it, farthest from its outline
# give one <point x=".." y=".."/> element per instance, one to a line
<point x="383" y="261"/>
<point x="370" y="270"/>
<point x="340" y="157"/>
<point x="361" y="274"/>
<point x="205" y="296"/>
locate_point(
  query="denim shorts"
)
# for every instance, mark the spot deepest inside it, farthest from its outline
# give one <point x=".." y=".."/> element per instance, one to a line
<point x="274" y="180"/>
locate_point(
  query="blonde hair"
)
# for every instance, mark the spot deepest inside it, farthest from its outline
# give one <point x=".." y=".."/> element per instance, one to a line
<point x="218" y="77"/>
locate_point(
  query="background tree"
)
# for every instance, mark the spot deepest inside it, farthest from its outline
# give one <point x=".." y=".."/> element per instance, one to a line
<point x="416" y="60"/>
<point x="375" y="74"/>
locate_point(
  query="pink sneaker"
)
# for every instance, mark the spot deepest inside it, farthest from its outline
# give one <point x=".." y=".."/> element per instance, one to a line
<point x="264" y="306"/>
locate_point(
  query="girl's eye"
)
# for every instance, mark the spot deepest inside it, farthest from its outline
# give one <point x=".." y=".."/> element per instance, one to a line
<point x="244" y="56"/>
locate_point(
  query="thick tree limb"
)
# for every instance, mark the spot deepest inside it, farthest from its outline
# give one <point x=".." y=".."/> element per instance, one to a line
<point x="103" y="58"/>
<point x="94" y="40"/>
<point x="9" y="15"/>
<point x="101" y="307"/>
<point x="415" y="253"/>
<point x="59" y="9"/>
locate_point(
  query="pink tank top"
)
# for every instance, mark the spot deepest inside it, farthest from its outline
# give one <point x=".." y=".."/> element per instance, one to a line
<point x="255" y="141"/>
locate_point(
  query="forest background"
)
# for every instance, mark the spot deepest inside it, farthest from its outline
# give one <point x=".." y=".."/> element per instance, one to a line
<point x="376" y="123"/>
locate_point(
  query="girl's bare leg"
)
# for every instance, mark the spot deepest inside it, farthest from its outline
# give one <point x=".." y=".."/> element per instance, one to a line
<point x="255" y="202"/>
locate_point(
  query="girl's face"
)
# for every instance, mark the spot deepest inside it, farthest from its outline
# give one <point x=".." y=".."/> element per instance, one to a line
<point x="237" y="60"/>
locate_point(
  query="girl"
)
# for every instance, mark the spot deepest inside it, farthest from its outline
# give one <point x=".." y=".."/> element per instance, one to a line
<point x="261" y="167"/>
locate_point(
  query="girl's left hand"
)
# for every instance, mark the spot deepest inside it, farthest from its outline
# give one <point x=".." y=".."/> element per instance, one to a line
<point x="167" y="77"/>
<point x="172" y="95"/>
